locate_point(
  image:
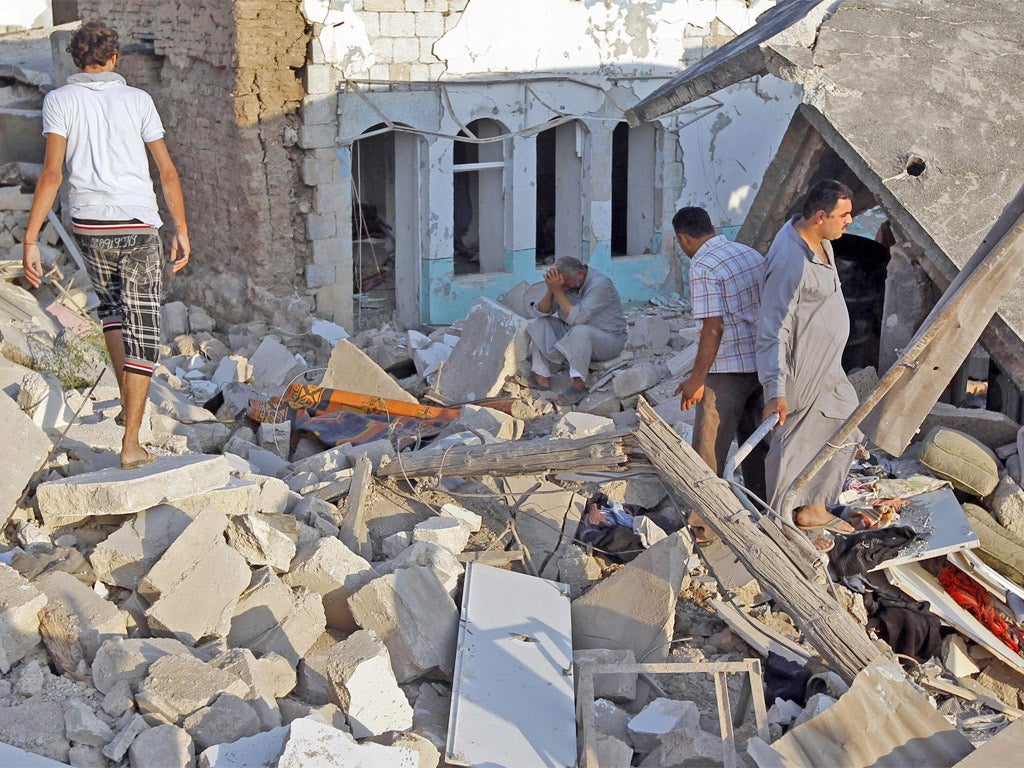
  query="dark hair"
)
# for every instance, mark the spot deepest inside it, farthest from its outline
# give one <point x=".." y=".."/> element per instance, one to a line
<point x="824" y="196"/>
<point x="692" y="221"/>
<point x="93" y="43"/>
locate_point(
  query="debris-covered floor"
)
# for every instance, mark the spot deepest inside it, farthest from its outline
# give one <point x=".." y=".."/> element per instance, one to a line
<point x="283" y="580"/>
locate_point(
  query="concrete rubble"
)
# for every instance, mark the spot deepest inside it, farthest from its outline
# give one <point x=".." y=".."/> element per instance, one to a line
<point x="258" y="597"/>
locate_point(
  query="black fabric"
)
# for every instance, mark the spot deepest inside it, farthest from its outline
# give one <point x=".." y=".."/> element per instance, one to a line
<point x="908" y="631"/>
<point x="619" y="544"/>
<point x="860" y="552"/>
<point x="785" y="679"/>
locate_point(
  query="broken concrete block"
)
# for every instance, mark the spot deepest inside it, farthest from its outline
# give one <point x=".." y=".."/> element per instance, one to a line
<point x="660" y="717"/>
<point x="333" y="571"/>
<point x="165" y="746"/>
<point x="352" y="370"/>
<point x="118" y="747"/>
<point x="619" y="687"/>
<point x="279" y="673"/>
<point x="199" y="562"/>
<point x="817" y="704"/>
<point x="232" y="368"/>
<point x="227" y="719"/>
<point x="297" y="631"/>
<point x="600" y="403"/>
<point x="42" y="399"/>
<point x="263" y="605"/>
<point x="990" y="428"/>
<point x="612" y="751"/>
<point x="303" y="743"/>
<point x="428" y="355"/>
<point x="262" y="694"/>
<point x="680" y="365"/>
<point x="81" y="724"/>
<point x="235" y="497"/>
<point x="650" y="333"/>
<point x="177" y="686"/>
<point x="690" y="746"/>
<point x="116" y="492"/>
<point x="21" y="453"/>
<point x="783" y="712"/>
<point x="501" y="425"/>
<point x="276" y="438"/>
<point x="260" y="541"/>
<point x="173" y="319"/>
<point x="37" y="728"/>
<point x="363" y="684"/>
<point x="610" y="616"/>
<point x="266" y="462"/>
<point x="579" y="424"/>
<point x="272" y="364"/>
<point x="578" y="569"/>
<point x="1006" y="683"/>
<point x="75" y="620"/>
<point x="492" y="344"/>
<point x="395" y="544"/>
<point x="446" y="532"/>
<point x="440" y="560"/>
<point x="1007" y="504"/>
<point x="20" y="604"/>
<point x="292" y="710"/>
<point x="331" y="461"/>
<point x="612" y="720"/>
<point x="429" y="756"/>
<point x="547" y="517"/>
<point x="636" y="379"/>
<point x="955" y="658"/>
<point x="430" y="713"/>
<point x="127" y="555"/>
<point x="129" y="659"/>
<point x="416" y="618"/>
<point x="471" y="520"/>
<point x="312" y="685"/>
<point x="353" y="529"/>
<point x="119" y="699"/>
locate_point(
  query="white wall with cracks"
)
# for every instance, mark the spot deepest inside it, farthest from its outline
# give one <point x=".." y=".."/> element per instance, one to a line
<point x="431" y="67"/>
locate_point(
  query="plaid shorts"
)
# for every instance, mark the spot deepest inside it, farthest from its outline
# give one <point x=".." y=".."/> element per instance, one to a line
<point x="125" y="264"/>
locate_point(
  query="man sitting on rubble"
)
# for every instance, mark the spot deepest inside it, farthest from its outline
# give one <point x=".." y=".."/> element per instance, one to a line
<point x="101" y="128"/>
<point x="582" y="321"/>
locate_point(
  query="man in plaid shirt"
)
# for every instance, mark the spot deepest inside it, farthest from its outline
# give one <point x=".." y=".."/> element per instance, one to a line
<point x="725" y="290"/>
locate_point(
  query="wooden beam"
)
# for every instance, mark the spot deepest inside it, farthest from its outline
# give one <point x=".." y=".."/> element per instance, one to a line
<point x="836" y="636"/>
<point x="596" y="453"/>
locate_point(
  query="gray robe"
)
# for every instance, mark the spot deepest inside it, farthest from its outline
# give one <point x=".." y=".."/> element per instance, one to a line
<point x="595" y="329"/>
<point x="803" y="330"/>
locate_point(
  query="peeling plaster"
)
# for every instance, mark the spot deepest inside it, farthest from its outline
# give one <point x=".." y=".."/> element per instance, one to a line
<point x="340" y="33"/>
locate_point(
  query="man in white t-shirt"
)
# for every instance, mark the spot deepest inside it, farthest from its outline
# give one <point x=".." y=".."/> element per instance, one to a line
<point x="101" y="128"/>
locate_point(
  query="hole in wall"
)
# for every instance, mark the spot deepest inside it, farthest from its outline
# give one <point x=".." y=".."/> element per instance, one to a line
<point x="915" y="165"/>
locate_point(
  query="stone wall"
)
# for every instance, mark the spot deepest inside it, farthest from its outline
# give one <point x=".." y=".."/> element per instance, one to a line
<point x="225" y="75"/>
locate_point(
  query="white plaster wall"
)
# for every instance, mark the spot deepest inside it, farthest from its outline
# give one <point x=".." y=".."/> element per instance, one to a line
<point x="26" y="13"/>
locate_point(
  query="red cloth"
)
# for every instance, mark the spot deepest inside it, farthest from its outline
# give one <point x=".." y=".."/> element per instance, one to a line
<point x="975" y="600"/>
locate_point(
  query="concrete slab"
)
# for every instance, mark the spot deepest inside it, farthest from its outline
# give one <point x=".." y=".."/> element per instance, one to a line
<point x="21" y="453"/>
<point x="492" y="344"/>
<point x="414" y="615"/>
<point x="620" y="688"/>
<point x="261" y="695"/>
<point x="610" y="616"/>
<point x="362" y="683"/>
<point x="490" y="420"/>
<point x="121" y="492"/>
<point x="991" y="428"/>
<point x="20" y="604"/>
<point x="42" y="399"/>
<point x="262" y="606"/>
<point x="440" y="560"/>
<point x="350" y="369"/>
<point x="177" y="686"/>
<point x="165" y="746"/>
<point x="446" y="532"/>
<point x="75" y="620"/>
<point x="333" y="571"/>
<point x="546" y="518"/>
<point x="272" y="364"/>
<point x="297" y="631"/>
<point x="660" y="717"/>
<point x="228" y="719"/>
<point x="127" y="555"/>
<point x="512" y="701"/>
<point x="263" y="539"/>
<point x="37" y="727"/>
<point x="128" y="659"/>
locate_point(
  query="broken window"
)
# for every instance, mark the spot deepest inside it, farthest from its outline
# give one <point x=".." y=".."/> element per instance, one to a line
<point x="635" y="200"/>
<point x="559" y="191"/>
<point x="479" y="198"/>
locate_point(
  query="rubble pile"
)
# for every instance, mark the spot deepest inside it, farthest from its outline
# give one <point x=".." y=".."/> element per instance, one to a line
<point x="260" y="595"/>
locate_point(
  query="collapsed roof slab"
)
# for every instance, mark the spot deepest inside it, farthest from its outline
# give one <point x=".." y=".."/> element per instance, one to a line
<point x="917" y="98"/>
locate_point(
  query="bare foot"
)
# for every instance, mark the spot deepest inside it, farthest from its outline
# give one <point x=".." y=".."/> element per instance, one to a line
<point x="817" y="516"/>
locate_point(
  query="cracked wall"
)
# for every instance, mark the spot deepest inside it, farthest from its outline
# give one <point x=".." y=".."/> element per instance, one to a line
<point x="225" y="77"/>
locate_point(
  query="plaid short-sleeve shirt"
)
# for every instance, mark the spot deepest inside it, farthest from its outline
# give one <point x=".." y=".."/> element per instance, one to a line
<point x="725" y="281"/>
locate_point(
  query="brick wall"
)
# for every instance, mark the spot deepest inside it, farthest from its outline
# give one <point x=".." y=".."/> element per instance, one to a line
<point x="226" y="79"/>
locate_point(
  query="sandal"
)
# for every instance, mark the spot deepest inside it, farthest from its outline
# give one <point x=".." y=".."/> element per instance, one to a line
<point x="534" y="384"/>
<point x="571" y="396"/>
<point x="831" y="525"/>
<point x="148" y="459"/>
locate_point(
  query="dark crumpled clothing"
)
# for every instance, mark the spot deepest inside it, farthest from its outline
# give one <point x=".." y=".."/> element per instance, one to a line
<point x="785" y="679"/>
<point x="909" y="631"/>
<point x="860" y="552"/>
